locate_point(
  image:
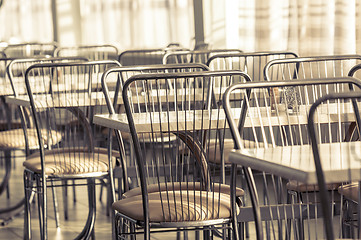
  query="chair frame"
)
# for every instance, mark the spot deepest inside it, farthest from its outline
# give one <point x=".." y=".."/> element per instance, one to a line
<point x="138" y="153"/>
<point x="41" y="178"/>
<point x="237" y="128"/>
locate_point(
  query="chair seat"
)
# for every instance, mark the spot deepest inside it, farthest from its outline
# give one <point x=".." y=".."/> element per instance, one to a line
<point x="182" y="206"/>
<point x="69" y="161"/>
<point x="224" y="188"/>
<point x="15" y="139"/>
<point x="303" y="187"/>
<point x="349" y="191"/>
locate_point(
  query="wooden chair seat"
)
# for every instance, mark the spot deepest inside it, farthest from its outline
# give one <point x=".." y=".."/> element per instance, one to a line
<point x="15" y="139"/>
<point x="181" y="186"/>
<point x="79" y="161"/>
<point x="183" y="206"/>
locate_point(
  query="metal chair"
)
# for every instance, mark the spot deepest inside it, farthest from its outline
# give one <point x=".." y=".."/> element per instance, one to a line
<point x="91" y="52"/>
<point x="29" y="49"/>
<point x="350" y="162"/>
<point x="17" y="137"/>
<point x="16" y="69"/>
<point x="252" y="63"/>
<point x="195" y="56"/>
<point x="272" y="124"/>
<point x="124" y="73"/>
<point x="175" y="185"/>
<point x="63" y="99"/>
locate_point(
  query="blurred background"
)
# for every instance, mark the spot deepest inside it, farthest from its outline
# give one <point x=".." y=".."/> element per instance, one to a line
<point x="308" y="27"/>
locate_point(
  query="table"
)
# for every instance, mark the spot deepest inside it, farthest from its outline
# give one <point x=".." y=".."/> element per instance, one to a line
<point x="142" y="123"/>
<point x="257" y="117"/>
<point x="341" y="162"/>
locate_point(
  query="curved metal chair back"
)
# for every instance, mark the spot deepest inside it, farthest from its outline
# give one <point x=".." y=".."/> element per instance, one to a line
<point x="195" y="56"/>
<point x="310" y="67"/>
<point x="17" y="67"/>
<point x="63" y="99"/>
<point x="150" y="56"/>
<point x="252" y="63"/>
<point x="91" y="52"/>
<point x="122" y="74"/>
<point x="141" y="57"/>
<point x="30" y="49"/>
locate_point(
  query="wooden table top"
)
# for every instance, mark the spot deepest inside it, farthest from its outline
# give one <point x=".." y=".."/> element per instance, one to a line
<point x="341" y="162"/>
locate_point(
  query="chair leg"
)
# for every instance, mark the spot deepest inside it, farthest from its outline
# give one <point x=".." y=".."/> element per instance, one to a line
<point x="55" y="204"/>
<point x="42" y="206"/>
<point x="132" y="230"/>
<point x="197" y="235"/>
<point x="74" y="192"/>
<point x="206" y="234"/>
<point x="27" y="217"/>
<point x="65" y="199"/>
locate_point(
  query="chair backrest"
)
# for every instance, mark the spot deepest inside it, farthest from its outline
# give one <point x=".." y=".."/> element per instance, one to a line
<point x="180" y="125"/>
<point x="122" y="74"/>
<point x="30" y="49"/>
<point x="310" y="67"/>
<point x="252" y="63"/>
<point x="196" y="56"/>
<point x="17" y="67"/>
<point x="91" y="52"/>
<point x="266" y="122"/>
<point x="63" y="100"/>
<point x="2" y="54"/>
<point x="141" y="57"/>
